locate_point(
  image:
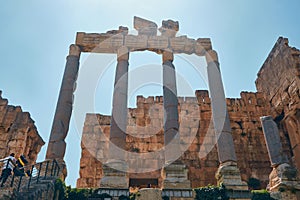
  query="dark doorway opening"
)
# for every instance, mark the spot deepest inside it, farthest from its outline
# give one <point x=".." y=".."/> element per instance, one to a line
<point x="143" y="182"/>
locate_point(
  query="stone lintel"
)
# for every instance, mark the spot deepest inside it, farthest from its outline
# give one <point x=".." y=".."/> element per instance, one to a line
<point x="158" y="43"/>
<point x="183" y="44"/>
<point x="136" y="42"/>
<point x="110" y="42"/>
<point x="99" y="42"/>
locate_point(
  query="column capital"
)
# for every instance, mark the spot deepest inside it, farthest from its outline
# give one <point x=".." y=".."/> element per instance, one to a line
<point x="167" y="55"/>
<point x="74" y="50"/>
<point x="211" y="56"/>
<point x="123" y="53"/>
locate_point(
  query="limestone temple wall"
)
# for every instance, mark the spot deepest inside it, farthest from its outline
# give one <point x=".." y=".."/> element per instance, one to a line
<point x="279" y="81"/>
<point x="18" y="134"/>
<point x="147" y="119"/>
<point x="278" y="95"/>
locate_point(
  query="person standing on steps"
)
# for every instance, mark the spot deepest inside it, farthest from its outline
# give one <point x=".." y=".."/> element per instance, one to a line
<point x="19" y="169"/>
<point x="8" y="165"/>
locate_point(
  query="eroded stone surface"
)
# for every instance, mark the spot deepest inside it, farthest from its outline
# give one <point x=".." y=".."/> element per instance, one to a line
<point x="18" y="134"/>
<point x="149" y="193"/>
<point x="145" y="126"/>
<point x="147" y="39"/>
<point x="273" y="142"/>
<point x="243" y="113"/>
<point x="278" y="80"/>
<point x="60" y="126"/>
<point x="144" y="27"/>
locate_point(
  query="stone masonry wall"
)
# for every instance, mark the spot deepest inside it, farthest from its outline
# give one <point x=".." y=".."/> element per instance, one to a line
<point x="279" y="81"/>
<point x="145" y="129"/>
<point x="18" y="134"/>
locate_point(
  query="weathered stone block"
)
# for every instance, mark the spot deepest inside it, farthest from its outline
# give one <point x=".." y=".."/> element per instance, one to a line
<point x="182" y="44"/>
<point x="144" y="27"/>
<point x="169" y="28"/>
<point x="136" y="42"/>
<point x="158" y="42"/>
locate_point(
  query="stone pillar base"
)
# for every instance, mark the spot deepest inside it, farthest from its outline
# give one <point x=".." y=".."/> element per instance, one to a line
<point x="284" y="183"/>
<point x="284" y="195"/>
<point x="149" y="193"/>
<point x="176" y="176"/>
<point x="229" y="175"/>
<point x="115" y="175"/>
<point x="62" y="169"/>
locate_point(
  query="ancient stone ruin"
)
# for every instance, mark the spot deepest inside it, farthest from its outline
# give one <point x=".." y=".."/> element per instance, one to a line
<point x="18" y="133"/>
<point x="202" y="140"/>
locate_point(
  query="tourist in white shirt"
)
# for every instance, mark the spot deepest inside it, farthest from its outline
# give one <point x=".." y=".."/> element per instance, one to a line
<point x="8" y="165"/>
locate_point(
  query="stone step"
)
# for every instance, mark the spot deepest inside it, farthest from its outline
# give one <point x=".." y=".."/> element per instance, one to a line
<point x="35" y="190"/>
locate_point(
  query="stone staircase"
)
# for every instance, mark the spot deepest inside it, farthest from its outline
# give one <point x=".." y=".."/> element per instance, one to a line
<point x="44" y="189"/>
<point x="40" y="185"/>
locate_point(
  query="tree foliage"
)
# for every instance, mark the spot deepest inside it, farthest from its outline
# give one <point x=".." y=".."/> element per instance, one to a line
<point x="211" y="193"/>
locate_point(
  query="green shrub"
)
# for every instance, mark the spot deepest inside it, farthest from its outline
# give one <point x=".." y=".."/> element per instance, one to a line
<point x="60" y="189"/>
<point x="211" y="193"/>
<point x="67" y="193"/>
<point x="123" y="197"/>
<point x="261" y="195"/>
<point x="74" y="193"/>
<point x="165" y="198"/>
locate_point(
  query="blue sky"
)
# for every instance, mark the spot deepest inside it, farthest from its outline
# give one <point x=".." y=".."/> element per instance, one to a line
<point x="35" y="36"/>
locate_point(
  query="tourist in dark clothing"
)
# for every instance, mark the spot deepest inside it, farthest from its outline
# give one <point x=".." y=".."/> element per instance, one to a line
<point x="8" y="165"/>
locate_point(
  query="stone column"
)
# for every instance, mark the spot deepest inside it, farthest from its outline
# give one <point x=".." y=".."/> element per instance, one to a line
<point x="273" y="142"/>
<point x="119" y="107"/>
<point x="170" y="103"/>
<point x="115" y="169"/>
<point x="283" y="181"/>
<point x="228" y="173"/>
<point x="220" y="116"/>
<point x="57" y="145"/>
<point x="175" y="172"/>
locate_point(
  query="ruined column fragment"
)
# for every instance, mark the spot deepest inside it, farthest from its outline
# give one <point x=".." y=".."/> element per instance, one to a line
<point x="273" y="142"/>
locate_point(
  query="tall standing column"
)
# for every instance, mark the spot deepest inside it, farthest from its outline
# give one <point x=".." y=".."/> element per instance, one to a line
<point x="220" y="116"/>
<point x="170" y="108"/>
<point x="57" y="145"/>
<point x="119" y="108"/>
<point x="115" y="169"/>
<point x="175" y="172"/>
<point x="228" y="173"/>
